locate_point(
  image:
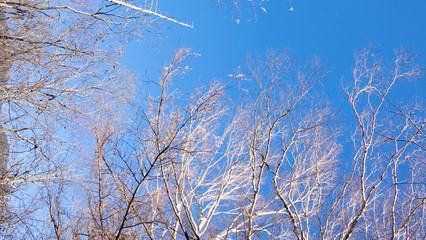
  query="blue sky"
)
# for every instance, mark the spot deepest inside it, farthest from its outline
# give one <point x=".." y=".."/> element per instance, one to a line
<point x="332" y="29"/>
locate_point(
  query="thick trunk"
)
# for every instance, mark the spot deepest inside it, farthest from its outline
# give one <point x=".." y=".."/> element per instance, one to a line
<point x="4" y="145"/>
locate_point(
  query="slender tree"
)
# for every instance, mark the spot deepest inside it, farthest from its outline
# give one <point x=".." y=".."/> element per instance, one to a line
<point x="4" y="145"/>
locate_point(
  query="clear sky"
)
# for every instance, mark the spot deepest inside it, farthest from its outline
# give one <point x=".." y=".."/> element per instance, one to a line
<point x="332" y="29"/>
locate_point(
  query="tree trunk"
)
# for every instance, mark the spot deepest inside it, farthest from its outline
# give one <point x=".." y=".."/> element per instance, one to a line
<point x="4" y="145"/>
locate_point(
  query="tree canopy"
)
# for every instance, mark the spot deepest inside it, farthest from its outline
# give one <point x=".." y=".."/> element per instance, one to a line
<point x="89" y="149"/>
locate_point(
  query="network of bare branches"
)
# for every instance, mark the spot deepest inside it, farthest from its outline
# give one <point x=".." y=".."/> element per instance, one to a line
<point x="86" y="152"/>
<point x="268" y="165"/>
<point x="58" y="68"/>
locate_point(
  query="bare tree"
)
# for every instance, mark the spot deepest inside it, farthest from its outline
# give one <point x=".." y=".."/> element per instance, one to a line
<point x="192" y="168"/>
<point x="388" y="165"/>
<point x="58" y="59"/>
<point x="288" y="164"/>
<point x="172" y="149"/>
<point x="268" y="165"/>
<point x="379" y="194"/>
<point x="4" y="146"/>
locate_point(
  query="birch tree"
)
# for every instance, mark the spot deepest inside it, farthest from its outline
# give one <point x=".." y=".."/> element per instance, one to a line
<point x="84" y="157"/>
<point x="4" y="146"/>
<point x="265" y="164"/>
<point x="192" y="168"/>
<point x="387" y="199"/>
<point x="58" y="60"/>
<point x="320" y="194"/>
